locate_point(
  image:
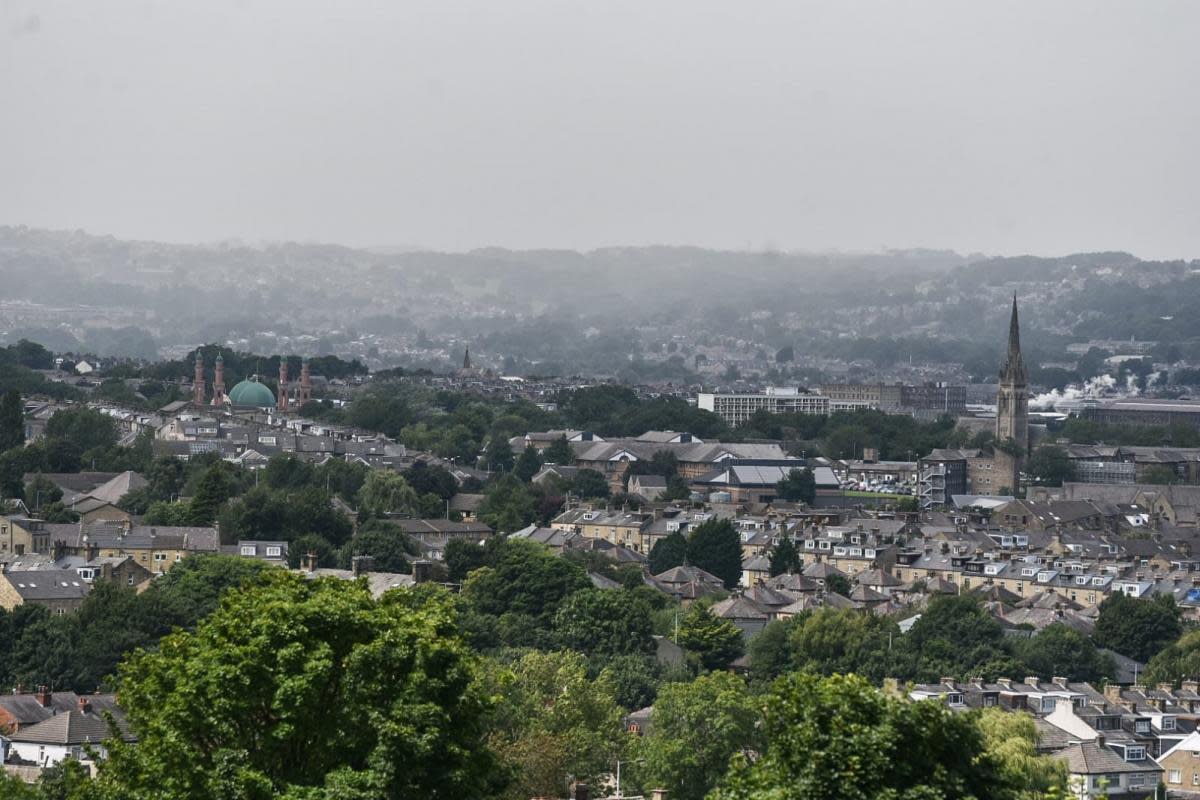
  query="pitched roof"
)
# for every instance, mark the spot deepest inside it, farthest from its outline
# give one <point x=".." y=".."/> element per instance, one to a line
<point x="72" y="727"/>
<point x="1091" y="758"/>
<point x="48" y="584"/>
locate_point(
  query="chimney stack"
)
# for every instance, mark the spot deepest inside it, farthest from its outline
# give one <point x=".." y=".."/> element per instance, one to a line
<point x="1112" y="693"/>
<point x="309" y="564"/>
<point x="361" y="565"/>
<point x="658" y="794"/>
<point x="44" y="696"/>
<point x="422" y="571"/>
<point x="1032" y="681"/>
<point x="85" y="705"/>
<point x="1059" y="682"/>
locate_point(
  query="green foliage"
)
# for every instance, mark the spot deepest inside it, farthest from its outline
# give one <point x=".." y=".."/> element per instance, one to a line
<point x="668" y="552"/>
<point x="528" y="464"/>
<point x="954" y="636"/>
<point x="386" y="492"/>
<point x="589" y="484"/>
<point x="716" y="642"/>
<point x="1050" y="466"/>
<point x="837" y="737"/>
<point x="785" y="557"/>
<point x="12" y="420"/>
<point x="798" y="486"/>
<point x="388" y="546"/>
<point x="84" y="428"/>
<point x="553" y="721"/>
<point x="1137" y="628"/>
<point x="41" y="491"/>
<point x="264" y="513"/>
<point x="211" y="493"/>
<point x="1180" y="659"/>
<point x="559" y="452"/>
<point x="1010" y="741"/>
<point x="521" y="589"/>
<point x="1061" y="651"/>
<point x="604" y="623"/>
<point x="714" y="546"/>
<point x="695" y="729"/>
<point x="508" y="504"/>
<point x="1159" y="475"/>
<point x="298" y="688"/>
<point x="498" y="455"/>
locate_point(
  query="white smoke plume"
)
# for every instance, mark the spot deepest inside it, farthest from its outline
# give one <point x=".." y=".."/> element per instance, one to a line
<point x="1094" y="388"/>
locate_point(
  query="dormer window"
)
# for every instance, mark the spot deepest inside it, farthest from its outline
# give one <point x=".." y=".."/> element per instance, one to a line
<point x="1135" y="753"/>
<point x="954" y="699"/>
<point x="1142" y="726"/>
<point x="1168" y="723"/>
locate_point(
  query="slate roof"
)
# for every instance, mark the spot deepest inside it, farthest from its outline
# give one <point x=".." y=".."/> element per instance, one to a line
<point x="1090" y="758"/>
<point x="48" y="584"/>
<point x="72" y="727"/>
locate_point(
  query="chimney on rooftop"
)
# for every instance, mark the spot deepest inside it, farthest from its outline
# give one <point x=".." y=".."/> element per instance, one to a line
<point x="85" y="705"/>
<point x="1059" y="682"/>
<point x="658" y="794"/>
<point x="1190" y="686"/>
<point x="1032" y="681"/>
<point x="1004" y="682"/>
<point x="309" y="564"/>
<point x="1112" y="693"/>
<point x="422" y="571"/>
<point x="44" y="696"/>
<point x="361" y="565"/>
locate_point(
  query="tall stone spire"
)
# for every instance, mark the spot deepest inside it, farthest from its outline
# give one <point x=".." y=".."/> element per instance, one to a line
<point x="467" y="359"/>
<point x="1012" y="412"/>
<point x="1013" y="369"/>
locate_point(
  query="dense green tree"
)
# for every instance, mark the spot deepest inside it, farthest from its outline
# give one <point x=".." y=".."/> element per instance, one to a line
<point x="211" y="493"/>
<point x="589" y="484"/>
<point x="525" y="583"/>
<point x="1050" y="465"/>
<point x="263" y="513"/>
<point x="508" y="505"/>
<point x="41" y="492"/>
<point x="635" y="680"/>
<point x="498" y="455"/>
<point x="1179" y="660"/>
<point x="168" y="514"/>
<point x="197" y="582"/>
<point x="560" y="452"/>
<point x="714" y="546"/>
<point x="955" y="636"/>
<point x="386" y="543"/>
<point x="463" y="557"/>
<point x="785" y="557"/>
<point x="837" y="737"/>
<point x="830" y="641"/>
<point x="85" y="428"/>
<point x="716" y="642"/>
<point x="1137" y="628"/>
<point x="386" y="492"/>
<point x="603" y="623"/>
<point x="528" y="464"/>
<point x="334" y="690"/>
<point x="553" y="722"/>
<point x="12" y="420"/>
<point x="1061" y="651"/>
<point x="431" y="479"/>
<point x="799" y="486"/>
<point x="312" y="545"/>
<point x="1010" y="741"/>
<point x="695" y="729"/>
<point x="288" y="472"/>
<point x="668" y="552"/>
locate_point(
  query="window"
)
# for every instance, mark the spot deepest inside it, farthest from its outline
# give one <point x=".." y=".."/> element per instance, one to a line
<point x="1174" y="776"/>
<point x="1135" y="779"/>
<point x="160" y="556"/>
<point x="1048" y="703"/>
<point x="1168" y="723"/>
<point x="1142" y="726"/>
<point x="954" y="699"/>
<point x="1135" y="753"/>
<point x="247" y="550"/>
<point x="989" y="700"/>
<point x="274" y="551"/>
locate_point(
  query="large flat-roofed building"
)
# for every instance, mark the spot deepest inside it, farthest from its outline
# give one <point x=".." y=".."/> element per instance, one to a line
<point x="1145" y="412"/>
<point x="737" y="408"/>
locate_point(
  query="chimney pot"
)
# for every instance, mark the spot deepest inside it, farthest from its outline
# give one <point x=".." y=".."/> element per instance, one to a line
<point x="85" y="705"/>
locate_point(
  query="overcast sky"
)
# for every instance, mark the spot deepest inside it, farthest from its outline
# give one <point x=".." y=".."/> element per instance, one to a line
<point x="1001" y="127"/>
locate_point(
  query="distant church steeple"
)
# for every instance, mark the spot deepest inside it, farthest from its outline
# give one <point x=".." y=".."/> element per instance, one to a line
<point x="1012" y="410"/>
<point x="467" y="358"/>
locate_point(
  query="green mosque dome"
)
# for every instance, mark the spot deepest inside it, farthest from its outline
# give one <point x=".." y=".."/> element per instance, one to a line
<point x="252" y="394"/>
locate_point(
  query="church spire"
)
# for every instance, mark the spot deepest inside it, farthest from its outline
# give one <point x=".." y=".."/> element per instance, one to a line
<point x="1013" y="370"/>
<point x="467" y="358"/>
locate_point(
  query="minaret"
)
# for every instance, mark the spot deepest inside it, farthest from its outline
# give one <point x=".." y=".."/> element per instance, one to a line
<point x="282" y="403"/>
<point x="219" y="383"/>
<point x="198" y="380"/>
<point x="305" y="384"/>
<point x="1012" y="408"/>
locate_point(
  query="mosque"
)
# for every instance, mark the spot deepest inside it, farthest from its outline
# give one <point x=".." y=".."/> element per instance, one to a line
<point x="252" y="394"/>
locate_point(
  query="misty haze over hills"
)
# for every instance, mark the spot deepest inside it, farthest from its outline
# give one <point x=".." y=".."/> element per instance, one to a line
<point x="606" y="311"/>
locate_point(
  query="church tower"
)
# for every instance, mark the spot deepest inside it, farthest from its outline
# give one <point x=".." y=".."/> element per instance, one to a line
<point x="1012" y="409"/>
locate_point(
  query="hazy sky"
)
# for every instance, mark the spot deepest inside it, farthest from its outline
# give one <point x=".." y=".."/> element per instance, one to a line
<point x="1046" y="126"/>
